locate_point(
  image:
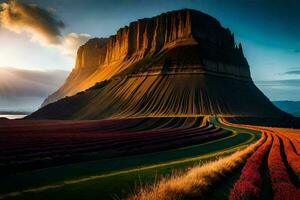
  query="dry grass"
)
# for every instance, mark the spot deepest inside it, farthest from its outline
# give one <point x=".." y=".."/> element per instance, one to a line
<point x="196" y="180"/>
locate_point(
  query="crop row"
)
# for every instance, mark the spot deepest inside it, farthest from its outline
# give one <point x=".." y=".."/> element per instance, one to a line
<point x="45" y="136"/>
<point x="197" y="181"/>
<point x="119" y="145"/>
<point x="250" y="182"/>
<point x="292" y="157"/>
<point x="29" y="150"/>
<point x="282" y="186"/>
<point x="282" y="156"/>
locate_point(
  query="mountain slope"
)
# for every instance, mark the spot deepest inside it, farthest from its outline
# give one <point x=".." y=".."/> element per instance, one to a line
<point x="187" y="65"/>
<point x="168" y="95"/>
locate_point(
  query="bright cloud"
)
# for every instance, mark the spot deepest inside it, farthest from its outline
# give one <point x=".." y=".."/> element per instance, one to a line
<point x="40" y="24"/>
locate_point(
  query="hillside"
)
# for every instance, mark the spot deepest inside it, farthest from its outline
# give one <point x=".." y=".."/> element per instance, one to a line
<point x="180" y="63"/>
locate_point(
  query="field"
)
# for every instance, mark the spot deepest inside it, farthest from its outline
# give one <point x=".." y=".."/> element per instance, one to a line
<point x="143" y="158"/>
<point x="275" y="164"/>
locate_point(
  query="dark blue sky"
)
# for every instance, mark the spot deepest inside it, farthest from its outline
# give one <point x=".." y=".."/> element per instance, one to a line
<point x="268" y="29"/>
<point x="271" y="22"/>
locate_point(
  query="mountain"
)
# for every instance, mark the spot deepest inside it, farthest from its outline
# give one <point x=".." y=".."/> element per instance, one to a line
<point x="146" y="39"/>
<point x="292" y="107"/>
<point x="180" y="63"/>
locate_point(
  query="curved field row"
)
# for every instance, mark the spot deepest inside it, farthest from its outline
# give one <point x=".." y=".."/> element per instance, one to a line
<point x="274" y="164"/>
<point x="292" y="157"/>
<point x="250" y="182"/>
<point x="280" y="180"/>
<point x="196" y="181"/>
<point x="26" y="147"/>
<point x="283" y="167"/>
<point x="102" y="178"/>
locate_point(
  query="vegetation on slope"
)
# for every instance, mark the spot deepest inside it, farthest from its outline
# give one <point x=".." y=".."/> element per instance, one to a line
<point x="171" y="95"/>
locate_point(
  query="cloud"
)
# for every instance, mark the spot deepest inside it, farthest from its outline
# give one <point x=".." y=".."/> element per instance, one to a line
<point x="287" y="82"/>
<point x="281" y="89"/>
<point x="22" y="89"/>
<point x="72" y="41"/>
<point x="40" y="24"/>
<point x="290" y="73"/>
<point x="293" y="72"/>
<point x="21" y="82"/>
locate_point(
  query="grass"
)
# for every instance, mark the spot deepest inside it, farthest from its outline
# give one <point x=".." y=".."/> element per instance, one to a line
<point x="196" y="181"/>
<point x="120" y="176"/>
<point x="119" y="183"/>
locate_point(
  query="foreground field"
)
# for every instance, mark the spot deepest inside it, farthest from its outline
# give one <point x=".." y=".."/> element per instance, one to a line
<point x="27" y="146"/>
<point x="103" y="159"/>
<point x="148" y="158"/>
<point x="271" y="172"/>
<point x="275" y="164"/>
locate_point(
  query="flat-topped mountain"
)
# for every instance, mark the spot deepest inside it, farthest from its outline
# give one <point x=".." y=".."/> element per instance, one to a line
<point x="180" y="63"/>
<point x="140" y="42"/>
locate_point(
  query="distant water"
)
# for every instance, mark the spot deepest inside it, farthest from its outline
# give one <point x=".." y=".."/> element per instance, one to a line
<point x="12" y="116"/>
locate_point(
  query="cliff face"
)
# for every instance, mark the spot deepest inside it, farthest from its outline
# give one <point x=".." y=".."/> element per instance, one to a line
<point x="146" y="39"/>
<point x="89" y="57"/>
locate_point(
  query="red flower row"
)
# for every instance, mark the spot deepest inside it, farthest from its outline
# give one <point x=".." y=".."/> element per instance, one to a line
<point x="282" y="186"/>
<point x="249" y="184"/>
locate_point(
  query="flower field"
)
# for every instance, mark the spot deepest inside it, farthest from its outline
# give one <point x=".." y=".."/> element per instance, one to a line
<point x="25" y="147"/>
<point x="274" y="163"/>
<point x="148" y="159"/>
<point x="279" y="152"/>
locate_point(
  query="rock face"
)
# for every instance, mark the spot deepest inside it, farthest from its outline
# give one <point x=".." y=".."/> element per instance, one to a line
<point x="89" y="57"/>
<point x="101" y="59"/>
<point x="180" y="63"/>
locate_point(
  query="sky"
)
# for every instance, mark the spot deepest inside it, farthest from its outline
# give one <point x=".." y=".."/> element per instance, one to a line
<point x="24" y="90"/>
<point x="268" y="30"/>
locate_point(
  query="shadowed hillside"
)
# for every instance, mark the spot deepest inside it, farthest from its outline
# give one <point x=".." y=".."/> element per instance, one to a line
<point x="162" y="95"/>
